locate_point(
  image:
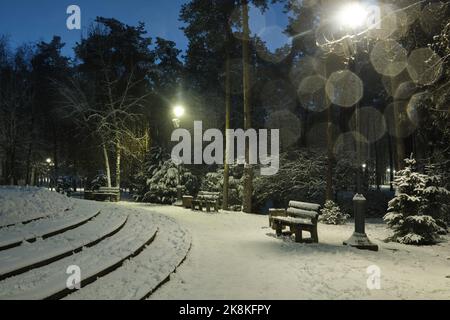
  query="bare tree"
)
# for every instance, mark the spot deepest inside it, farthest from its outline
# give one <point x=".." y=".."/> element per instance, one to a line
<point x="112" y="123"/>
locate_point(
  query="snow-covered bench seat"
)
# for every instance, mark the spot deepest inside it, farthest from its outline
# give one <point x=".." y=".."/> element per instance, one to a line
<point x="206" y="200"/>
<point x="102" y="194"/>
<point x="300" y="216"/>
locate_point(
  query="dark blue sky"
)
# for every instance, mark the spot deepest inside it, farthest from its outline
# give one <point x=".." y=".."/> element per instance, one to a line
<point x="34" y="20"/>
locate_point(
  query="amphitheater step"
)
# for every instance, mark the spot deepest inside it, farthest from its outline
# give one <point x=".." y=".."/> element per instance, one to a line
<point x="142" y="275"/>
<point x="44" y="228"/>
<point x="28" y="256"/>
<point x="49" y="282"/>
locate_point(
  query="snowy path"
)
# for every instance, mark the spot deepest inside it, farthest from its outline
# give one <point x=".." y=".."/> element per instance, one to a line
<point x="236" y="256"/>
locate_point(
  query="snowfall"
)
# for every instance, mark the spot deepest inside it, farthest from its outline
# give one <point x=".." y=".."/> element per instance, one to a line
<point x="141" y="251"/>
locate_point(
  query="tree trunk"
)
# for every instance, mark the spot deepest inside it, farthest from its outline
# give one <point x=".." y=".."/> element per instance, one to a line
<point x="226" y="171"/>
<point x="28" y="178"/>
<point x="118" y="164"/>
<point x="399" y="141"/>
<point x="12" y="166"/>
<point x="248" y="170"/>
<point x="391" y="164"/>
<point x="378" y="167"/>
<point x="55" y="153"/>
<point x="107" y="167"/>
<point x="330" y="152"/>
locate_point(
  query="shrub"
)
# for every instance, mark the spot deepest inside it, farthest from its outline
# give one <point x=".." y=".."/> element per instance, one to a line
<point x="213" y="182"/>
<point x="332" y="214"/>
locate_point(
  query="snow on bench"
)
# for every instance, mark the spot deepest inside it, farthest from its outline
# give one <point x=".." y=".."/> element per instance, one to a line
<point x="292" y="220"/>
<point x="46" y="227"/>
<point x="142" y="275"/>
<point x="298" y="217"/>
<point x="20" y="259"/>
<point x="49" y="282"/>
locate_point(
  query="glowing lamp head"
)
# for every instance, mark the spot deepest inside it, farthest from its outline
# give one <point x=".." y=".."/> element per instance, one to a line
<point x="178" y="111"/>
<point x="48" y="160"/>
<point x="353" y="15"/>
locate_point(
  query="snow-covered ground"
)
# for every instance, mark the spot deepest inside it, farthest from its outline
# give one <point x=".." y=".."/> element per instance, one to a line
<point x="236" y="256"/>
<point x="133" y="248"/>
<point x="20" y="204"/>
<point x="121" y="253"/>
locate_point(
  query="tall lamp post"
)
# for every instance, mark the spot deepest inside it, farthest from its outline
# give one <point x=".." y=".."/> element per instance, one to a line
<point x="50" y="164"/>
<point x="352" y="18"/>
<point x="178" y="112"/>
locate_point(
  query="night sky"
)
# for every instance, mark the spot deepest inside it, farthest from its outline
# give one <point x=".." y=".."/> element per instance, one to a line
<point x="29" y="21"/>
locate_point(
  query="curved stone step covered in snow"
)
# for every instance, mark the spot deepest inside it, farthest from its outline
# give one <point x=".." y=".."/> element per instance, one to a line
<point x="21" y="259"/>
<point x="49" y="282"/>
<point x="22" y="205"/>
<point x="47" y="227"/>
<point x="139" y="277"/>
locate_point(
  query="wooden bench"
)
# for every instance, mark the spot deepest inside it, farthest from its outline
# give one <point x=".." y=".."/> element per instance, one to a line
<point x="105" y="193"/>
<point x="206" y="200"/>
<point x="300" y="216"/>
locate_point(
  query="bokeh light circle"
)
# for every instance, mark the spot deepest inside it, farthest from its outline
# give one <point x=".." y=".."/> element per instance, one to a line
<point x="431" y="17"/>
<point x="389" y="58"/>
<point x="405" y="90"/>
<point x="424" y="66"/>
<point x="373" y="125"/>
<point x="389" y="23"/>
<point x="398" y="123"/>
<point x="288" y="124"/>
<point x="344" y="88"/>
<point x="312" y="95"/>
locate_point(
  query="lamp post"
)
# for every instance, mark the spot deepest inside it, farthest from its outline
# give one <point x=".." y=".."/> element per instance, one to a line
<point x="352" y="18"/>
<point x="49" y="163"/>
<point x="178" y="112"/>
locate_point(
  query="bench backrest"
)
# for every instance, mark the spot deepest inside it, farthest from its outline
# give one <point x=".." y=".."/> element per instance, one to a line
<point x="303" y="210"/>
<point x="106" y="189"/>
<point x="209" y="195"/>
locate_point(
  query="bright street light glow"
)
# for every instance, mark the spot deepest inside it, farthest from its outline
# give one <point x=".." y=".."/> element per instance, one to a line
<point x="178" y="111"/>
<point x="352" y="15"/>
<point x="49" y="160"/>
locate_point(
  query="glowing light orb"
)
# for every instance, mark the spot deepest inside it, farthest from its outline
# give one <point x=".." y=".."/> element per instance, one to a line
<point x="353" y="15"/>
<point x="179" y="111"/>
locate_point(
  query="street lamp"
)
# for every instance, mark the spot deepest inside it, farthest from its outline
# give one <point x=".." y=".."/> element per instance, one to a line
<point x="178" y="112"/>
<point x="352" y="17"/>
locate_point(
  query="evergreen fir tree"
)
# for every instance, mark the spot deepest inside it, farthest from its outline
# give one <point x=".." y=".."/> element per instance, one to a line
<point x="332" y="214"/>
<point x="407" y="214"/>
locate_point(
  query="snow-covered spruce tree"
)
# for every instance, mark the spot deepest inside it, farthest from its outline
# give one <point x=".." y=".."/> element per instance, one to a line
<point x="411" y="225"/>
<point x="162" y="186"/>
<point x="213" y="182"/>
<point x="332" y="214"/>
<point x="437" y="196"/>
<point x="157" y="179"/>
